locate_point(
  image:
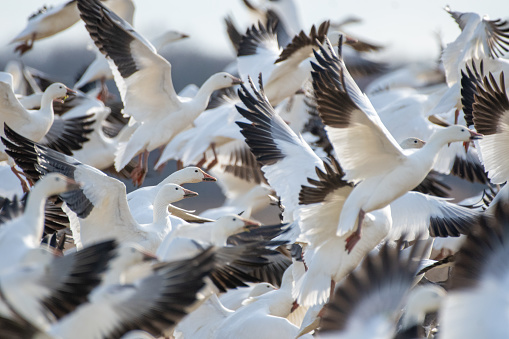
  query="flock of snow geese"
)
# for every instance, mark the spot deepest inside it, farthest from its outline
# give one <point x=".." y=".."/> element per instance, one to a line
<point x="369" y="245"/>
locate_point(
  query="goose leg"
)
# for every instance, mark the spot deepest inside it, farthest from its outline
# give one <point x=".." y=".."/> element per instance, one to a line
<point x="332" y="287"/>
<point x="180" y="165"/>
<point x="104" y="94"/>
<point x="456" y="116"/>
<point x="356" y="236"/>
<point x="202" y="161"/>
<point x="19" y="174"/>
<point x="162" y="166"/>
<point x="26" y="46"/>
<point x="140" y="171"/>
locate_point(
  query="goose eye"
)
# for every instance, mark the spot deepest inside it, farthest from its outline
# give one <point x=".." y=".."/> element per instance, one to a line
<point x="196" y="171"/>
<point x="176" y="188"/>
<point x="415" y="141"/>
<point x="234" y="219"/>
<point x="463" y="130"/>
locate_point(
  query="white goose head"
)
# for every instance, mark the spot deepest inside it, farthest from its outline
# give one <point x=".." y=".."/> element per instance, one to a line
<point x="56" y="183"/>
<point x="224" y="80"/>
<point x="168" y="37"/>
<point x="172" y="192"/>
<point x="412" y="142"/>
<point x="260" y="289"/>
<point x="232" y="223"/>
<point x="194" y="174"/>
<point x="58" y="91"/>
<point x="461" y="133"/>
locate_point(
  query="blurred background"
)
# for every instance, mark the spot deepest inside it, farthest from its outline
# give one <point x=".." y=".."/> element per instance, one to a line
<point x="409" y="30"/>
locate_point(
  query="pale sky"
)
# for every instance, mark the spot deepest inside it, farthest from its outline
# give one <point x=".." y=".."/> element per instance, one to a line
<point x="406" y="27"/>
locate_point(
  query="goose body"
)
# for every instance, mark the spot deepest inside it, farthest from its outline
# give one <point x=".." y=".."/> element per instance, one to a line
<point x="25" y="232"/>
<point x="32" y="124"/>
<point x="145" y="83"/>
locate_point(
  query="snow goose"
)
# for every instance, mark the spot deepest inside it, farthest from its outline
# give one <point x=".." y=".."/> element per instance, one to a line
<point x="409" y="116"/>
<point x="477" y="284"/>
<point x="141" y="200"/>
<point x="54" y="218"/>
<point x="368" y="302"/>
<point x="100" y="69"/>
<point x="264" y="316"/>
<point x="213" y="128"/>
<point x="251" y="202"/>
<point x="41" y="125"/>
<point x="43" y="287"/>
<point x="284" y="71"/>
<point x="153" y="304"/>
<point x="317" y="202"/>
<point x="31" y="124"/>
<point x="95" y="213"/>
<point x="215" y="233"/>
<point x="202" y="322"/>
<point x="480" y="37"/>
<point x="145" y="85"/>
<point x="25" y="232"/>
<point x="233" y="298"/>
<point x="367" y="152"/>
<point x="48" y="21"/>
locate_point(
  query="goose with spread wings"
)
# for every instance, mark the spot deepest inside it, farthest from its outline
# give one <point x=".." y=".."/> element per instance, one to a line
<point x="145" y="84"/>
<point x="369" y="155"/>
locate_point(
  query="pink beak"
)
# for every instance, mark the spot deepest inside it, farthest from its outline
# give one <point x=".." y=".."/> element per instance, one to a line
<point x="208" y="177"/>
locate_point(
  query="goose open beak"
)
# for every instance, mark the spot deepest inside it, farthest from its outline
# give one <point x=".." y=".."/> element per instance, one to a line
<point x="147" y="256"/>
<point x="474" y="135"/>
<point x="249" y="224"/>
<point x="208" y="177"/>
<point x="189" y="193"/>
<point x="349" y="40"/>
<point x="236" y="81"/>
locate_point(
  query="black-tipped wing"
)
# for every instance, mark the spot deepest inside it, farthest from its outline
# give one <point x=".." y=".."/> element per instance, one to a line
<point x="376" y="289"/>
<point x="242" y="164"/>
<point x="416" y="213"/>
<point x="491" y="118"/>
<point x="262" y="233"/>
<point x="10" y="209"/>
<point x="362" y="143"/>
<point x="67" y="135"/>
<point x="236" y="265"/>
<point x="328" y="181"/>
<point x="302" y="42"/>
<point x="286" y="158"/>
<point x="153" y="304"/>
<point x="72" y="277"/>
<point x="233" y="33"/>
<point x="470" y="79"/>
<point x="60" y="288"/>
<point x="483" y="254"/>
<point x="132" y="54"/>
<point x="257" y="39"/>
<point x="468" y="166"/>
<point x="434" y="184"/>
<point x="491" y="105"/>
